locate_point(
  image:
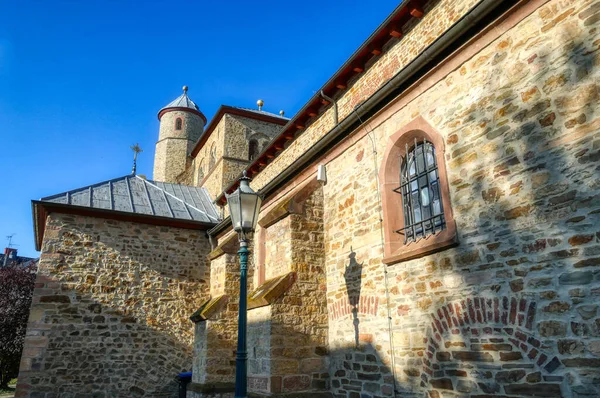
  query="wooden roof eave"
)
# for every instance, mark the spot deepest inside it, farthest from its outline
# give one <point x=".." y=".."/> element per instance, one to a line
<point x="371" y="47"/>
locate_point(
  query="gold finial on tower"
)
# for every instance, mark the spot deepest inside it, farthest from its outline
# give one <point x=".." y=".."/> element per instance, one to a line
<point x="260" y="104"/>
<point x="185" y="89"/>
<point x="281" y="113"/>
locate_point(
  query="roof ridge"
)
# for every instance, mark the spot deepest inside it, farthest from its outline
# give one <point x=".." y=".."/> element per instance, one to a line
<point x="260" y="112"/>
<point x="175" y="197"/>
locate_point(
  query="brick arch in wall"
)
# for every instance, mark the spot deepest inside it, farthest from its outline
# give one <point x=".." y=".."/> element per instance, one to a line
<point x="467" y="333"/>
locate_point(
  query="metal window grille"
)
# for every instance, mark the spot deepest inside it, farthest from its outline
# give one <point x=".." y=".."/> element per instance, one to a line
<point x="420" y="190"/>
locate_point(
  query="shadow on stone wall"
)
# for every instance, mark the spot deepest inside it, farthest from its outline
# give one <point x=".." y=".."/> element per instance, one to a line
<point x="80" y="347"/>
<point x="110" y="310"/>
<point x="303" y="369"/>
<point x="353" y="278"/>
<point x="524" y="328"/>
<point x="511" y="311"/>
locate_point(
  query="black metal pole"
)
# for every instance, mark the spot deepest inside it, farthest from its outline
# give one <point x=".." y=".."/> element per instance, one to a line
<point x="241" y="356"/>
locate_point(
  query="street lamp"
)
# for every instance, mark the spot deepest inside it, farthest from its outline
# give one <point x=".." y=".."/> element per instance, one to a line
<point x="244" y="205"/>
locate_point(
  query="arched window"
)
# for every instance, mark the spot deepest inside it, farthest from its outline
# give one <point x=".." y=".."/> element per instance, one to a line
<point x="252" y="149"/>
<point x="200" y="172"/>
<point x="420" y="190"/>
<point x="178" y="123"/>
<point x="417" y="215"/>
<point x="213" y="157"/>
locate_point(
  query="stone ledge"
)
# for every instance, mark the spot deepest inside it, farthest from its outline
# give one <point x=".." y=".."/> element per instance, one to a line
<point x="270" y="290"/>
<point x="306" y="394"/>
<point x="291" y="204"/>
<point x="228" y="245"/>
<point x="211" y="387"/>
<point x="209" y="308"/>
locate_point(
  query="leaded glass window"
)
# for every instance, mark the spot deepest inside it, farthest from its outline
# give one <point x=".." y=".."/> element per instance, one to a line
<point x="420" y="190"/>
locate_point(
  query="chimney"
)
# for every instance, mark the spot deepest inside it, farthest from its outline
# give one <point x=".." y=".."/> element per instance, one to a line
<point x="9" y="254"/>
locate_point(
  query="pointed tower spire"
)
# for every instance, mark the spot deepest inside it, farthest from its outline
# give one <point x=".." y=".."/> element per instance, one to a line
<point x="181" y="125"/>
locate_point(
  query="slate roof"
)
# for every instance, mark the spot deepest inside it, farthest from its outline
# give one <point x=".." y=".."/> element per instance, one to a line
<point x="133" y="194"/>
<point x="183" y="101"/>
<point x="18" y="260"/>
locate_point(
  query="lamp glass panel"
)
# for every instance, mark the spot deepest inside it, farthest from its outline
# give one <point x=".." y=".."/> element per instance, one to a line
<point x="234" y="211"/>
<point x="256" y="211"/>
<point x="249" y="203"/>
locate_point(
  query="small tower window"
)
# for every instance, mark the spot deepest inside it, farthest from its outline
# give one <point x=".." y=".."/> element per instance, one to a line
<point x="178" y="123"/>
<point x="252" y="149"/>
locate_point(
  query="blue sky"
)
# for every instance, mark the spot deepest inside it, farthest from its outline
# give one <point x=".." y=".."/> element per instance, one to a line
<point x="81" y="81"/>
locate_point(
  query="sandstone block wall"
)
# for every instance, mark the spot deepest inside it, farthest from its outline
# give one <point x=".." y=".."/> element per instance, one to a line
<point x="278" y="248"/>
<point x="214" y="360"/>
<point x="174" y="146"/>
<point x="512" y="310"/>
<point x="212" y="148"/>
<point x="214" y="181"/>
<point x="229" y="145"/>
<point x="288" y="339"/>
<point x="170" y="159"/>
<point x="111" y="306"/>
<point x="439" y="16"/>
<point x="240" y="130"/>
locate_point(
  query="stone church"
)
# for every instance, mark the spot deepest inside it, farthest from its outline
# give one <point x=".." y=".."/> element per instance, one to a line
<point x="451" y="247"/>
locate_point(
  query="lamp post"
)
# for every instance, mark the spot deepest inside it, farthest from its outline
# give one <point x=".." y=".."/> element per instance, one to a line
<point x="244" y="205"/>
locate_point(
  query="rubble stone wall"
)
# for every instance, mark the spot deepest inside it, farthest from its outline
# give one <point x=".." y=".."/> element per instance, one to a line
<point x="111" y="306"/>
<point x="512" y="310"/>
<point x="240" y="130"/>
<point x="174" y="146"/>
<point x="288" y="339"/>
<point x="202" y="160"/>
<point x="439" y="16"/>
<point x="278" y="248"/>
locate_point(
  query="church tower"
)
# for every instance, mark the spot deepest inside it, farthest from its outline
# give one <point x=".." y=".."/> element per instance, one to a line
<point x="181" y="124"/>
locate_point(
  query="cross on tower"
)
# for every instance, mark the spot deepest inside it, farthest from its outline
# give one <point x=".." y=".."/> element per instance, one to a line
<point x="136" y="149"/>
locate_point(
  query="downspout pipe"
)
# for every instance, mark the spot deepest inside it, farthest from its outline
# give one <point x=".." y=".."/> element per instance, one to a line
<point x="335" y="106"/>
<point x="381" y="97"/>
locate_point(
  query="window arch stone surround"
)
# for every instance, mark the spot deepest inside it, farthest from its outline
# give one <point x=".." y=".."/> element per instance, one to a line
<point x="395" y="250"/>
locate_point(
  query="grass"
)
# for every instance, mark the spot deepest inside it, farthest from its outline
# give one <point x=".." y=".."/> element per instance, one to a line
<point x="11" y="387"/>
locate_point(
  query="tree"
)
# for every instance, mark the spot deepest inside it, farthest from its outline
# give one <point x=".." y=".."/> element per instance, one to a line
<point x="16" y="288"/>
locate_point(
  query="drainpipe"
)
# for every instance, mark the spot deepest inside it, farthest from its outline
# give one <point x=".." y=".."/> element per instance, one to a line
<point x="335" y="107"/>
<point x="384" y="94"/>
